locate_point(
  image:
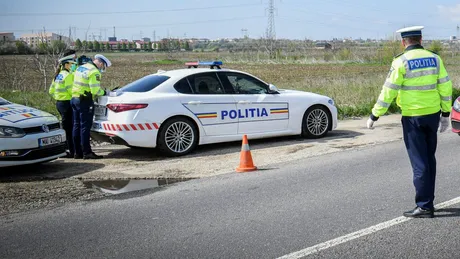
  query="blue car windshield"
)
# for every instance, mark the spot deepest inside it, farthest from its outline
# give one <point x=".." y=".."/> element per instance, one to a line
<point x="144" y="84"/>
<point x="3" y="101"/>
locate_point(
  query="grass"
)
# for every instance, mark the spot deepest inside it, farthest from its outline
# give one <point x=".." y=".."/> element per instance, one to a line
<point x="353" y="85"/>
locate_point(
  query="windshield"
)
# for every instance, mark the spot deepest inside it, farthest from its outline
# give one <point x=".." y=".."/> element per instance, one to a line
<point x="145" y="84"/>
<point x="3" y="101"/>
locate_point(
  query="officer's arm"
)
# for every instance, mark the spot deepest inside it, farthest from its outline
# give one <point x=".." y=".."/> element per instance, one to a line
<point x="444" y="87"/>
<point x="52" y="89"/>
<point x="95" y="85"/>
<point x="389" y="91"/>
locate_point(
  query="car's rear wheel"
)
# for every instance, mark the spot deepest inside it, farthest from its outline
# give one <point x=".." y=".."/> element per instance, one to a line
<point x="316" y="122"/>
<point x="178" y="136"/>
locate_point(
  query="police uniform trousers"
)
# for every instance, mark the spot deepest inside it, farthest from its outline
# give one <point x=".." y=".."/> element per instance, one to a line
<point x="420" y="138"/>
<point x="83" y="111"/>
<point x="65" y="109"/>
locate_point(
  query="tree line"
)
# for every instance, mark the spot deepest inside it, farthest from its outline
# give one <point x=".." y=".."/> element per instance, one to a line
<point x="163" y="45"/>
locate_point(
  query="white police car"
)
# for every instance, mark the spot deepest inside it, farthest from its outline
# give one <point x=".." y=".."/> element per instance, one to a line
<point x="28" y="135"/>
<point x="177" y="110"/>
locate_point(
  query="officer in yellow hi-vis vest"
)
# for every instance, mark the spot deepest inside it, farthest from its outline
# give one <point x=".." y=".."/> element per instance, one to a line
<point x="61" y="90"/>
<point x="86" y="88"/>
<point x="424" y="92"/>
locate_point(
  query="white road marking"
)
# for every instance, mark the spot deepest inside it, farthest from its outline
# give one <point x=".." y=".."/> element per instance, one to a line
<point x="360" y="233"/>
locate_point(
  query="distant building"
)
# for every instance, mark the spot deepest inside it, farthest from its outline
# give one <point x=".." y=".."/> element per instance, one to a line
<point x="146" y="39"/>
<point x="6" y="36"/>
<point x="33" y="39"/>
<point x="112" y="39"/>
<point x="453" y="38"/>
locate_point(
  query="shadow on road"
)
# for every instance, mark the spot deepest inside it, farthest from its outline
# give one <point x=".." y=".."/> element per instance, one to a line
<point x="59" y="169"/>
<point x="449" y="212"/>
<point x="148" y="154"/>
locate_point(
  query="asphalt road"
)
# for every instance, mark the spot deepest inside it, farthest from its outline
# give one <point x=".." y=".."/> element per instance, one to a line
<point x="265" y="214"/>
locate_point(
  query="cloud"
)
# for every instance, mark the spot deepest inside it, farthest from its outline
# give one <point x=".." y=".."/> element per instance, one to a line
<point x="450" y="12"/>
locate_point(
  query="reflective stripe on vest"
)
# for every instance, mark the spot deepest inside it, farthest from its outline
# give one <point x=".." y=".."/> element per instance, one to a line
<point x="443" y="80"/>
<point x="392" y="86"/>
<point x="383" y="104"/>
<point x="418" y="88"/>
<point x="61" y="91"/>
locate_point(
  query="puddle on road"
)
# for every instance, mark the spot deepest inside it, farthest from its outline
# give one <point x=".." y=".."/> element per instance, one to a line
<point x="124" y="186"/>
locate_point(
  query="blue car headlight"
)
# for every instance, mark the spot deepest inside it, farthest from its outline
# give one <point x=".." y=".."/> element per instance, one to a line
<point x="11" y="132"/>
<point x="457" y="104"/>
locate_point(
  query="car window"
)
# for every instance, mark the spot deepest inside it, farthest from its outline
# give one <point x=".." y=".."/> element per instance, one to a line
<point x="183" y="87"/>
<point x="3" y="101"/>
<point x="244" y="84"/>
<point x="145" y="84"/>
<point x="206" y="83"/>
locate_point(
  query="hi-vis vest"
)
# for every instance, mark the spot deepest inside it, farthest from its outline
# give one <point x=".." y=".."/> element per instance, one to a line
<point x="61" y="88"/>
<point x="87" y="78"/>
<point x="419" y="81"/>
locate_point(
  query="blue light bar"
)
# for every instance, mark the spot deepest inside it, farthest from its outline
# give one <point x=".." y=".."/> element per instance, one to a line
<point x="210" y="63"/>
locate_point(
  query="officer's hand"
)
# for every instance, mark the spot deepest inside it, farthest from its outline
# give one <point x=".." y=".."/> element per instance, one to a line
<point x="370" y="123"/>
<point x="443" y="124"/>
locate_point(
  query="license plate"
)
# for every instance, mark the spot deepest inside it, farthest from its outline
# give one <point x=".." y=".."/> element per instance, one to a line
<point x="49" y="141"/>
<point x="100" y="110"/>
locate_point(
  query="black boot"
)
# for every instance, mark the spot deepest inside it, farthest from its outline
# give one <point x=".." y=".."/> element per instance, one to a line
<point x="419" y="213"/>
<point x="68" y="155"/>
<point x="92" y="156"/>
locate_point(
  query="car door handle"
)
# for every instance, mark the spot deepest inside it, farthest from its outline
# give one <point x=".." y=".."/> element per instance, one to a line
<point x="194" y="102"/>
<point x="244" y="102"/>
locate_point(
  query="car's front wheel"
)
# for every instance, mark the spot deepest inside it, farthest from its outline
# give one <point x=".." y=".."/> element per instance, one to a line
<point x="316" y="122"/>
<point x="177" y="136"/>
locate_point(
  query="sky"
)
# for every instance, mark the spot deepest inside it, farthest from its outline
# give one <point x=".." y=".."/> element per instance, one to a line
<point x="293" y="19"/>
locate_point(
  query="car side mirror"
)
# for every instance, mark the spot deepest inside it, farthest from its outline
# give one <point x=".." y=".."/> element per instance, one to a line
<point x="273" y="89"/>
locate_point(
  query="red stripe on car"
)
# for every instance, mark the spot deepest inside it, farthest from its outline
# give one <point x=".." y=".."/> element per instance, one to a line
<point x="119" y="128"/>
<point x="133" y="126"/>
<point x="148" y="126"/>
<point x="155" y="125"/>
<point x="141" y="127"/>
<point x="126" y="127"/>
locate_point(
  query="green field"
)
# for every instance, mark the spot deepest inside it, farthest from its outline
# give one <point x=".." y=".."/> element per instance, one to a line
<point x="354" y="84"/>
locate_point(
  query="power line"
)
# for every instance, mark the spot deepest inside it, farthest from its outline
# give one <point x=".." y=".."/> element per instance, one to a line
<point x="129" y="12"/>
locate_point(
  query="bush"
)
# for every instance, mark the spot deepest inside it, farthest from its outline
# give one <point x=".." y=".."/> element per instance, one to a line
<point x="436" y="46"/>
<point x="345" y="54"/>
<point x="390" y="50"/>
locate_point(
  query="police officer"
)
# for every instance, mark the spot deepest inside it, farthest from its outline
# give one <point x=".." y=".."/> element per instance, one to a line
<point x="61" y="91"/>
<point x="424" y="92"/>
<point x="86" y="88"/>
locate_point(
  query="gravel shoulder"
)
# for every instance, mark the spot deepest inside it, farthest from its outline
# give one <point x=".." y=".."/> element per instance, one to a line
<point x="61" y="181"/>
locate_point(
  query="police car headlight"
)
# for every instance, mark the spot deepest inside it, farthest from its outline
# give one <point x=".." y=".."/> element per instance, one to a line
<point x="457" y="104"/>
<point x="11" y="132"/>
<point x="331" y="102"/>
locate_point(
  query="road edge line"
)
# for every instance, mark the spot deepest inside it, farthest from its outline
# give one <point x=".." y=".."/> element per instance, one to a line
<point x="360" y="233"/>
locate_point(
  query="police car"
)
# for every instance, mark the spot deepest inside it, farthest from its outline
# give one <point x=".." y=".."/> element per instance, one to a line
<point x="177" y="110"/>
<point x="28" y="135"/>
<point x="455" y="116"/>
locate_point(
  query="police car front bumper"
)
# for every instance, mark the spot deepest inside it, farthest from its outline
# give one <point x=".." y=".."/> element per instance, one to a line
<point x="32" y="148"/>
<point x="31" y="156"/>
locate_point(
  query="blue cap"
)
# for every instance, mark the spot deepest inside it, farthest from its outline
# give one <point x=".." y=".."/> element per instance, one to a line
<point x="411" y="31"/>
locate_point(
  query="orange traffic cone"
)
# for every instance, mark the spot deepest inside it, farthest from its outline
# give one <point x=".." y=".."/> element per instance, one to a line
<point x="246" y="164"/>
